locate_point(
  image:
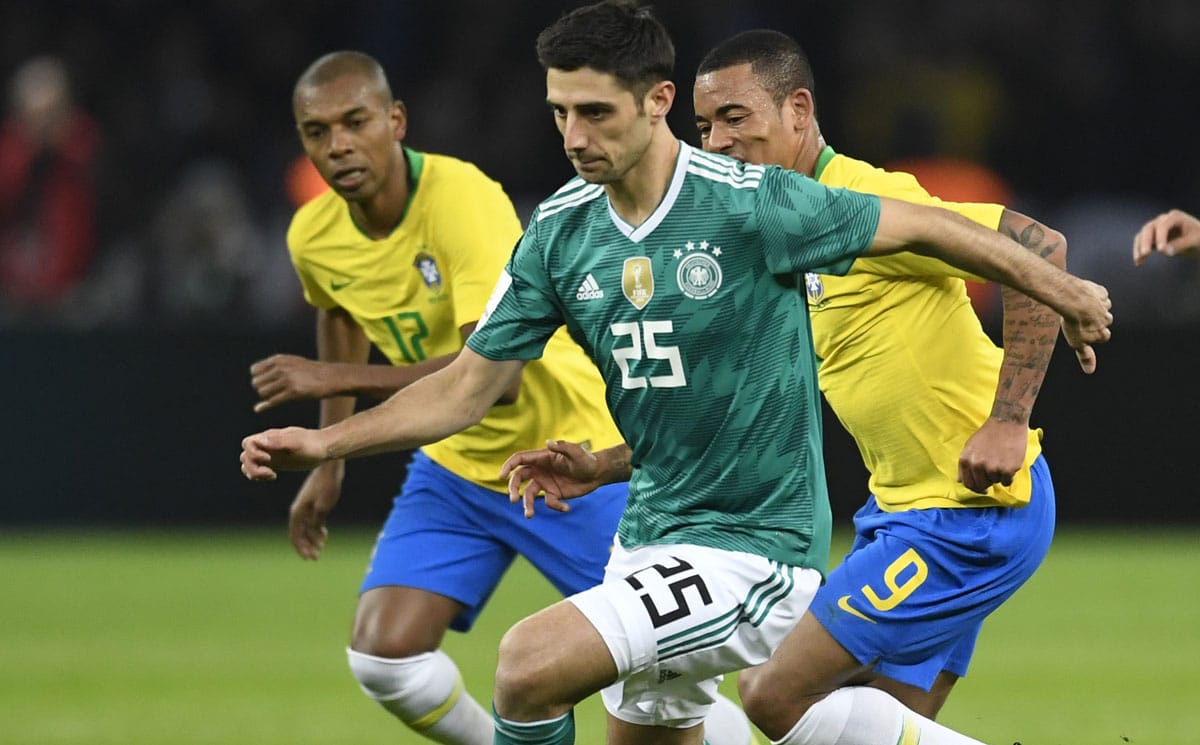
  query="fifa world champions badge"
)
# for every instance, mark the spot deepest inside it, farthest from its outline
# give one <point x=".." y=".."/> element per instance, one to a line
<point x="637" y="281"/>
<point x="698" y="273"/>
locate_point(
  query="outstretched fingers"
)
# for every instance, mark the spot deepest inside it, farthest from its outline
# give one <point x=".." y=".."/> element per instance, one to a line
<point x="527" y="483"/>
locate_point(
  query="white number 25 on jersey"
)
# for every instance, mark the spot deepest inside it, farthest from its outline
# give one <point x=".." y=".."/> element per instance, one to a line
<point x="642" y="335"/>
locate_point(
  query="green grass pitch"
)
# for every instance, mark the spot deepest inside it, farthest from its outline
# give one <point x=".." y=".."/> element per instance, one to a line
<point x="223" y="638"/>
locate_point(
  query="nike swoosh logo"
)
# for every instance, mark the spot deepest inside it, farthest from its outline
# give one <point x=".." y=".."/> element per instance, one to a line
<point x="844" y="603"/>
<point x="335" y="286"/>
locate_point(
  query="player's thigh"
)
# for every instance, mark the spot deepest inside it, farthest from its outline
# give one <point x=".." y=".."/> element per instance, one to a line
<point x="926" y="703"/>
<point x="807" y="665"/>
<point x="397" y="622"/>
<point x="676" y="618"/>
<point x="548" y="662"/>
<point x="435" y="541"/>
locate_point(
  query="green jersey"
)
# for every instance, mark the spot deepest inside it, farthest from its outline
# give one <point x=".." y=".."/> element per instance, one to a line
<point x="703" y="341"/>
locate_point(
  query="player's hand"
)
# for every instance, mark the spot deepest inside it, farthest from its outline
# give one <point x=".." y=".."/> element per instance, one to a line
<point x="289" y="449"/>
<point x="1086" y="321"/>
<point x="993" y="455"/>
<point x="1170" y="233"/>
<point x="286" y="377"/>
<point x="316" y="499"/>
<point x="562" y="470"/>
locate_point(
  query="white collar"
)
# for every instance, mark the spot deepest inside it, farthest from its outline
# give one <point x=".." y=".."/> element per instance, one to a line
<point x="660" y="212"/>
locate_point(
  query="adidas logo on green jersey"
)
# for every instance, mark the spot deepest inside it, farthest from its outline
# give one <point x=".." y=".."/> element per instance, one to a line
<point x="589" y="290"/>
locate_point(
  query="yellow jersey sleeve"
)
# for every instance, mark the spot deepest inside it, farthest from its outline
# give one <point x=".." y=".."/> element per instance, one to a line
<point x="305" y="225"/>
<point x="861" y="176"/>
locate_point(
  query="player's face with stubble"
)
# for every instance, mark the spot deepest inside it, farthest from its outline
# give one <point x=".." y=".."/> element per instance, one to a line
<point x="605" y="133"/>
<point x="737" y="117"/>
<point x="349" y="129"/>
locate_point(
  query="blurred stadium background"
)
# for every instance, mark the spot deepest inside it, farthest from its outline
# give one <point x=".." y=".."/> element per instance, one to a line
<point x="140" y="569"/>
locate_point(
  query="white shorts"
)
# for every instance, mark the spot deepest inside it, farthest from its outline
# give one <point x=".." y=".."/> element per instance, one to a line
<point x="676" y="618"/>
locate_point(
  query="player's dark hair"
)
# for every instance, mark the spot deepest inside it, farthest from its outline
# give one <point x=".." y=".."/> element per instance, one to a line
<point x="616" y="37"/>
<point x="334" y="65"/>
<point x="777" y="61"/>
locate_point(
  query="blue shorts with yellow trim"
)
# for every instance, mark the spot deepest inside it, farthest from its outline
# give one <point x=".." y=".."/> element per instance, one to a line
<point x="912" y="593"/>
<point x="453" y="537"/>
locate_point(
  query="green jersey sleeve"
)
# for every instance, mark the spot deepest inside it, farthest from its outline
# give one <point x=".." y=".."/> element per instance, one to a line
<point x="808" y="227"/>
<point x="523" y="312"/>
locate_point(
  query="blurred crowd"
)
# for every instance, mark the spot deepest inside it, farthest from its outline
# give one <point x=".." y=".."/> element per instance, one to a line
<point x="148" y="160"/>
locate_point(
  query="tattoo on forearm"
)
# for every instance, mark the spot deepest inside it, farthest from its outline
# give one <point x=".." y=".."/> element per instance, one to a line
<point x="1030" y="333"/>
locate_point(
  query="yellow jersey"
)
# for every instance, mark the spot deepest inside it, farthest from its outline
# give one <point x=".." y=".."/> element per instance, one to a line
<point x="904" y="361"/>
<point x="413" y="290"/>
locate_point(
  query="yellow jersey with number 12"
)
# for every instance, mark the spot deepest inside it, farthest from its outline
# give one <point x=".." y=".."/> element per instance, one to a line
<point x="904" y="361"/>
<point x="413" y="290"/>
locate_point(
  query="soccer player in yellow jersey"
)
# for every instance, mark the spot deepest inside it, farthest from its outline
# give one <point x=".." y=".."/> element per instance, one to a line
<point x="961" y="511"/>
<point x="403" y="253"/>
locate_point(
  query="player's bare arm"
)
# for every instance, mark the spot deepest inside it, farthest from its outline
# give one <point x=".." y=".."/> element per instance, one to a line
<point x="287" y="377"/>
<point x="932" y="231"/>
<point x="563" y="470"/>
<point x="996" y="451"/>
<point x="1171" y="233"/>
<point x="433" y="408"/>
<point x="339" y="339"/>
<point x="1030" y="328"/>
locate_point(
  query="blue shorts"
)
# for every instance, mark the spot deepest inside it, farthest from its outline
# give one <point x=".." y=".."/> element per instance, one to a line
<point x="912" y="593"/>
<point x="453" y="537"/>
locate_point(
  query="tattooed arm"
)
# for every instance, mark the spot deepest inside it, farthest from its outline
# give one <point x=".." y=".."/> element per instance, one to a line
<point x="997" y="451"/>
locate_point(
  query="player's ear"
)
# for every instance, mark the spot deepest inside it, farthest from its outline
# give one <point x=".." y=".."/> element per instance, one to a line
<point x="800" y="102"/>
<point x="399" y="117"/>
<point x="659" y="99"/>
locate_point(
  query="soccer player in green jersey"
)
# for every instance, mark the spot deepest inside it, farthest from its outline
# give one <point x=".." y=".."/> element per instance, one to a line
<point x="672" y="268"/>
<point x="945" y="434"/>
<point x="401" y="253"/>
<point x="946" y="437"/>
<point x="1171" y="233"/>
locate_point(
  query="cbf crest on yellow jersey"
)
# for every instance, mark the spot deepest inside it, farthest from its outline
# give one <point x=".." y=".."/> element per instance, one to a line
<point x="412" y="291"/>
<point x="904" y="361"/>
